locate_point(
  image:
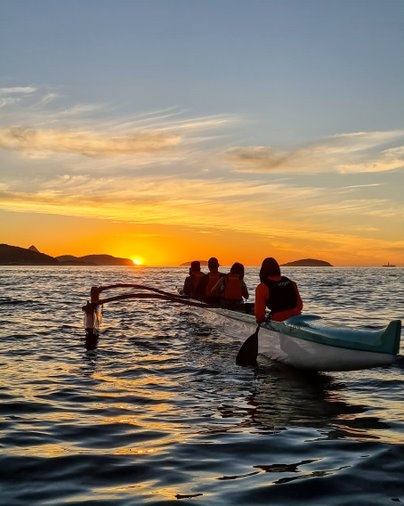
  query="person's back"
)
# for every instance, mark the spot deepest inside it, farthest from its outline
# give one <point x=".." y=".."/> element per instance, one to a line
<point x="277" y="293"/>
<point x="193" y="279"/>
<point x="282" y="295"/>
<point x="208" y="281"/>
<point x="231" y="288"/>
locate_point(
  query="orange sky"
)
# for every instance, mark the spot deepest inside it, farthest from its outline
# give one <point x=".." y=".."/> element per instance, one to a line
<point x="172" y="245"/>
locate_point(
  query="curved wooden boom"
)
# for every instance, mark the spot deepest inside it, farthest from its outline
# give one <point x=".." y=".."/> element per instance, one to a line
<point x="92" y="308"/>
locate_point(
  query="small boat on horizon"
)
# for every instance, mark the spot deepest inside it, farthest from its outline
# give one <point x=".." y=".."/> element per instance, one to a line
<point x="388" y="265"/>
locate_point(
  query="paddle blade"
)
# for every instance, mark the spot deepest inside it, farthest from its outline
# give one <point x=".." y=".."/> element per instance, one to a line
<point x="248" y="352"/>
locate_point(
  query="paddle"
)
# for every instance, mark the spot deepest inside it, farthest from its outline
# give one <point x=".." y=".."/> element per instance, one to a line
<point x="248" y="352"/>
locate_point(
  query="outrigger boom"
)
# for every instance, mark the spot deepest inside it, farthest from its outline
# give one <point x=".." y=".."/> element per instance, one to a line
<point x="92" y="310"/>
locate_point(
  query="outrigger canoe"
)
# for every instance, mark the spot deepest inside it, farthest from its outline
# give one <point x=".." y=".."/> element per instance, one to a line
<point x="303" y="342"/>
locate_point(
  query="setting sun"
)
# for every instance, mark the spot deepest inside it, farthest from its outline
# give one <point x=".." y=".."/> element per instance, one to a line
<point x="137" y="261"/>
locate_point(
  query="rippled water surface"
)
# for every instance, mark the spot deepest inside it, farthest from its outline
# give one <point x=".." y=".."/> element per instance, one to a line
<point x="158" y="412"/>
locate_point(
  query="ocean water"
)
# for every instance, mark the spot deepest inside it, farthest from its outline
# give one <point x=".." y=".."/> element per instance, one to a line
<point x="158" y="412"/>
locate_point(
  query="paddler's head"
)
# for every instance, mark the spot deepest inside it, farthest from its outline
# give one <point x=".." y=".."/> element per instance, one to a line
<point x="213" y="264"/>
<point x="195" y="266"/>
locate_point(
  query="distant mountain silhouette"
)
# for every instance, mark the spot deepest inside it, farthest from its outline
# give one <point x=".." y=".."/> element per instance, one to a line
<point x="307" y="262"/>
<point x="93" y="260"/>
<point x="14" y="255"/>
<point x="72" y="260"/>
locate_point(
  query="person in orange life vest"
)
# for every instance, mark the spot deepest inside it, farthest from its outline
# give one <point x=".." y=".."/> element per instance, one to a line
<point x="277" y="293"/>
<point x="231" y="288"/>
<point x="208" y="281"/>
<point x="191" y="281"/>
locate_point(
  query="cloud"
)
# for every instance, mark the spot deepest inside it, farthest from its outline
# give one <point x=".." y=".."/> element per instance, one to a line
<point x="43" y="142"/>
<point x="11" y="96"/>
<point x="236" y="205"/>
<point x="17" y="90"/>
<point x="358" y="152"/>
<point x="5" y="102"/>
<point x="45" y="126"/>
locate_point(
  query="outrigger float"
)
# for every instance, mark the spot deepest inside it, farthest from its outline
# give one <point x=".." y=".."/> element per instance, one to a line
<point x="302" y="341"/>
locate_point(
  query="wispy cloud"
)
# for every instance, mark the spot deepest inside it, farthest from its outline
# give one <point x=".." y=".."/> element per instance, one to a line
<point x="17" y="90"/>
<point x="357" y="152"/>
<point x="11" y="96"/>
<point x="44" y="126"/>
<point x="44" y="142"/>
<point x="236" y="205"/>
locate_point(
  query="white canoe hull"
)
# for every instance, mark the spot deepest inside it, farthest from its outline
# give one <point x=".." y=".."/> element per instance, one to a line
<point x="315" y="356"/>
<point x="295" y="351"/>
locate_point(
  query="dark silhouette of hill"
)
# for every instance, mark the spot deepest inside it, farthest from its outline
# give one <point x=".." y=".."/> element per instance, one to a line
<point x="93" y="260"/>
<point x="307" y="262"/>
<point x="13" y="255"/>
<point x="71" y="260"/>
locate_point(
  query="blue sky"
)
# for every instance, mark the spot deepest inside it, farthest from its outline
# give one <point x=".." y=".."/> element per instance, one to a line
<point x="276" y="124"/>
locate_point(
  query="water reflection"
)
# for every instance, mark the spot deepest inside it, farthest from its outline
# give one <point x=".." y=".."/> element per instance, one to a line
<point x="284" y="398"/>
<point x="91" y="341"/>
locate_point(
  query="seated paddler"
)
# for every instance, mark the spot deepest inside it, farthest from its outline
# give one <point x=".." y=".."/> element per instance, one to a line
<point x="192" y="280"/>
<point x="208" y="281"/>
<point x="277" y="293"/>
<point x="231" y="288"/>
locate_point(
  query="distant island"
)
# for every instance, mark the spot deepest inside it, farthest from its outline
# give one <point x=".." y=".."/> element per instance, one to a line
<point x="14" y="255"/>
<point x="307" y="262"/>
<point x="203" y="263"/>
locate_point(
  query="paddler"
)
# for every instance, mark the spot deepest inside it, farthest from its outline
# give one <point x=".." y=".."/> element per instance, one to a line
<point x="208" y="281"/>
<point x="277" y="293"/>
<point x="192" y="280"/>
<point x="231" y="288"/>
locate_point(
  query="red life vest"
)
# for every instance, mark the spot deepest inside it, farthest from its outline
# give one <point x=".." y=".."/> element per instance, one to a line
<point x="232" y="289"/>
<point x="213" y="278"/>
